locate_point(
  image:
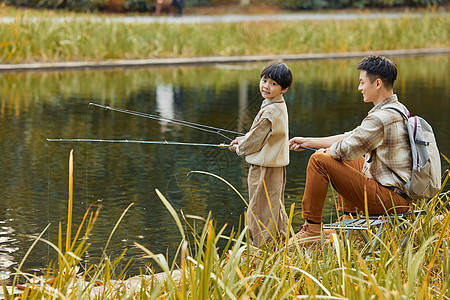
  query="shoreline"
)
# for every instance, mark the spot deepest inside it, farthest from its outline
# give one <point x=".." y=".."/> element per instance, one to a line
<point x="209" y="60"/>
<point x="223" y="18"/>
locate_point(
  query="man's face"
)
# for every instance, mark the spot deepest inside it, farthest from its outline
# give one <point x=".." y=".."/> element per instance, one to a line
<point x="368" y="89"/>
<point x="269" y="88"/>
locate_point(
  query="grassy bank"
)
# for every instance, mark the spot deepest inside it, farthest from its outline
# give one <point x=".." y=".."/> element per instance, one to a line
<point x="342" y="268"/>
<point x="46" y="40"/>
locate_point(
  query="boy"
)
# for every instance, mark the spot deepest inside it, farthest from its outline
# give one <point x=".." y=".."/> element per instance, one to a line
<point x="266" y="149"/>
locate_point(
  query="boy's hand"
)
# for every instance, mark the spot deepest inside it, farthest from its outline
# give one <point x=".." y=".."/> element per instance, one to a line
<point x="232" y="145"/>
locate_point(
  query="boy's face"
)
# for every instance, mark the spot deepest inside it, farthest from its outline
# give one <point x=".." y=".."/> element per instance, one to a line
<point x="269" y="88"/>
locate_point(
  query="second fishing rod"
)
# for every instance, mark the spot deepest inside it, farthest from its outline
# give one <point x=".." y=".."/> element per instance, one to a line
<point x="202" y="127"/>
<point x="197" y="126"/>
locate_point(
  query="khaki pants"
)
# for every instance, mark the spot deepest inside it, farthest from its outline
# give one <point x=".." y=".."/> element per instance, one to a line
<point x="266" y="216"/>
<point x="347" y="179"/>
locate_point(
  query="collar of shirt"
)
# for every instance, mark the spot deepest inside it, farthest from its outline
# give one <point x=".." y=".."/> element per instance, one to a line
<point x="389" y="100"/>
<point x="268" y="101"/>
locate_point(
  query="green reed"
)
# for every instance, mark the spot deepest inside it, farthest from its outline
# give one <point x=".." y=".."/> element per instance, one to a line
<point x="83" y="39"/>
<point x="339" y="269"/>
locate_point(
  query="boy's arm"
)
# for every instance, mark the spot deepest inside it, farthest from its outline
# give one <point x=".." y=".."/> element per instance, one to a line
<point x="253" y="140"/>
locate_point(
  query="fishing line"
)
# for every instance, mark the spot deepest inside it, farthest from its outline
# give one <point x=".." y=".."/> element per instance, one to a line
<point x="202" y="127"/>
<point x="150" y="142"/>
<point x="48" y="201"/>
<point x="139" y="142"/>
<point x="87" y="168"/>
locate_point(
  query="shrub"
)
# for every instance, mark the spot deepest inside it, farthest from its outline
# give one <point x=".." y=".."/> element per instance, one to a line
<point x="148" y="5"/>
<point x="76" y="5"/>
<point x="321" y="4"/>
<point x="139" y="5"/>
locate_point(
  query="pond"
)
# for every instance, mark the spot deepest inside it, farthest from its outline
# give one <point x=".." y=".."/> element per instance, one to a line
<point x="323" y="100"/>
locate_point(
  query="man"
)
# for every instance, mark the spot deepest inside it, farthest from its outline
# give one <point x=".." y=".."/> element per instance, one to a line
<point x="381" y="138"/>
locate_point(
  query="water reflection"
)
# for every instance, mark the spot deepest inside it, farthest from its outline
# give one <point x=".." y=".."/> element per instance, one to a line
<point x="34" y="106"/>
<point x="165" y="104"/>
<point x="7" y="247"/>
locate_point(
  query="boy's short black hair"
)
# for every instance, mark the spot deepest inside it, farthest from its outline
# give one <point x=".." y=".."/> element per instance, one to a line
<point x="379" y="67"/>
<point x="279" y="72"/>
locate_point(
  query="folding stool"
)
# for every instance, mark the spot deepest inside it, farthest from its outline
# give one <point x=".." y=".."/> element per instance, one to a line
<point x="376" y="222"/>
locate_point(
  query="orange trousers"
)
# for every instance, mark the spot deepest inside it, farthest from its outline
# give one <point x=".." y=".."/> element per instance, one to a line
<point x="347" y="179"/>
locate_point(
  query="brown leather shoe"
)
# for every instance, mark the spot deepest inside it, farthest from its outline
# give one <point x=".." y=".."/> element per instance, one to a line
<point x="309" y="234"/>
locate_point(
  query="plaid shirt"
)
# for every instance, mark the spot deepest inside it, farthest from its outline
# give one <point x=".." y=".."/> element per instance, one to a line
<point x="383" y="139"/>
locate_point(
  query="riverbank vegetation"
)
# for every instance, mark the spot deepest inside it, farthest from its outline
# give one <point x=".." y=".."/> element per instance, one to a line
<point x="341" y="268"/>
<point x="86" y="39"/>
<point x="220" y="5"/>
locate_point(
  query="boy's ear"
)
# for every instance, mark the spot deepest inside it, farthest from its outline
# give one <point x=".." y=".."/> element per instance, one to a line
<point x="285" y="90"/>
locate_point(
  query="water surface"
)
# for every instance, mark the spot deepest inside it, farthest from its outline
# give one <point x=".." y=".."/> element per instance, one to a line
<point x="34" y="173"/>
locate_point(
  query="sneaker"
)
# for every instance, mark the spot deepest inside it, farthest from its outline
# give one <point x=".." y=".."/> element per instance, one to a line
<point x="309" y="234"/>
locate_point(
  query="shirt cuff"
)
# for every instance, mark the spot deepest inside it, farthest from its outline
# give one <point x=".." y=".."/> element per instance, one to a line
<point x="333" y="151"/>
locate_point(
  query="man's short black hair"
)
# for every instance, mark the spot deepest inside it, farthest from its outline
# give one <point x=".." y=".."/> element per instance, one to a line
<point x="279" y="72"/>
<point x="379" y="67"/>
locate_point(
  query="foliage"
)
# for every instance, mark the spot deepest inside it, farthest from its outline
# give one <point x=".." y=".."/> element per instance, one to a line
<point x="326" y="4"/>
<point x="96" y="5"/>
<point x="75" y="5"/>
<point x="138" y="5"/>
<point x="148" y="5"/>
<point x="88" y="39"/>
<point x="200" y="2"/>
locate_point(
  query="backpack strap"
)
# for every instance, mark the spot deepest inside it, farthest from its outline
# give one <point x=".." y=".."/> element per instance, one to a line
<point x="372" y="153"/>
<point x="405" y="116"/>
<point x="398" y="176"/>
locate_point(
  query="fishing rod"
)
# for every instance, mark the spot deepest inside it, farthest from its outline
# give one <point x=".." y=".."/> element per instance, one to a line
<point x="139" y="142"/>
<point x="307" y="148"/>
<point x="149" y="142"/>
<point x="185" y="123"/>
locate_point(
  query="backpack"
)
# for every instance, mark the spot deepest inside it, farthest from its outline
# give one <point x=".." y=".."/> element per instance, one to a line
<point x="426" y="164"/>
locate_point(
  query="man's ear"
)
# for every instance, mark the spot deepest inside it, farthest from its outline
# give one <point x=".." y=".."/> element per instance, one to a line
<point x="379" y="83"/>
<point x="285" y="90"/>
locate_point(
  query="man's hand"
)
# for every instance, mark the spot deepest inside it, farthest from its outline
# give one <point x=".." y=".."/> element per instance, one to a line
<point x="232" y="145"/>
<point x="296" y="143"/>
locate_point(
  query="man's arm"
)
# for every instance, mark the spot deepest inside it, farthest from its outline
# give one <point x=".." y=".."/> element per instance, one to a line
<point x="318" y="143"/>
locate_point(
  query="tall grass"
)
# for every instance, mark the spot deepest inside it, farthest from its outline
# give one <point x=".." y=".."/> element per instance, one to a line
<point x="340" y="269"/>
<point x="83" y="39"/>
